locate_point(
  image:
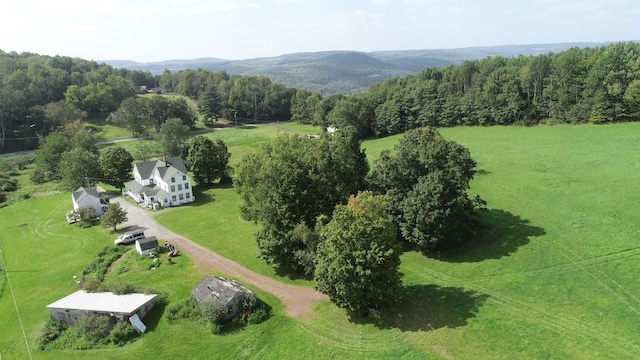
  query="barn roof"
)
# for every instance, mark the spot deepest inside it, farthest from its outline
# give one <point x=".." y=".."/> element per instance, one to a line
<point x="102" y="302"/>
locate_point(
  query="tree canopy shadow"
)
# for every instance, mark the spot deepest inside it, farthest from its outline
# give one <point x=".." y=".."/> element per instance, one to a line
<point x="500" y="234"/>
<point x="292" y="275"/>
<point x="427" y="307"/>
<point x="201" y="197"/>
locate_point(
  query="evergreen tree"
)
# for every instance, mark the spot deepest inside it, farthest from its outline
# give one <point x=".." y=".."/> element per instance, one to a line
<point x="210" y="103"/>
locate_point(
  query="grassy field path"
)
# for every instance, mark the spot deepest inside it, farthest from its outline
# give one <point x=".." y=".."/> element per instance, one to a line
<point x="298" y="300"/>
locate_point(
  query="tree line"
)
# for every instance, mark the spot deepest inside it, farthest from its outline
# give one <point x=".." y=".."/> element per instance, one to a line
<point x="580" y="85"/>
<point x="39" y="94"/>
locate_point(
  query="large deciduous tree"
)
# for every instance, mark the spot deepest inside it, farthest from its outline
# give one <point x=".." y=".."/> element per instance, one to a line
<point x="208" y="160"/>
<point x="77" y="167"/>
<point x="358" y="262"/>
<point x="134" y="114"/>
<point x="427" y="181"/>
<point x="293" y="181"/>
<point x="58" y="114"/>
<point x="114" y="215"/>
<point x="173" y="136"/>
<point x="116" y="164"/>
<point x="50" y="151"/>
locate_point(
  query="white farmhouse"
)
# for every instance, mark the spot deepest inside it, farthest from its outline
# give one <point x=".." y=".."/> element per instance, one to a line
<point x="164" y="182"/>
<point x="87" y="197"/>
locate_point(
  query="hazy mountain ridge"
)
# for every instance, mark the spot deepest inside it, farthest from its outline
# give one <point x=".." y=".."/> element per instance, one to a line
<point x="331" y="72"/>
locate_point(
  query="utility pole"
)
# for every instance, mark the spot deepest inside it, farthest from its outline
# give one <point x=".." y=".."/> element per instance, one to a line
<point x="255" y="106"/>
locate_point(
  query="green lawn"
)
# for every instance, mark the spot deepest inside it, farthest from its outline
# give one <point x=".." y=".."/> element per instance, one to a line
<point x="104" y="131"/>
<point x="554" y="276"/>
<point x="301" y="128"/>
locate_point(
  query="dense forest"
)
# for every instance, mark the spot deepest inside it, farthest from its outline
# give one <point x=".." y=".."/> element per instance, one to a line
<point x="36" y="92"/>
<point x="39" y="94"/>
<point x="589" y="85"/>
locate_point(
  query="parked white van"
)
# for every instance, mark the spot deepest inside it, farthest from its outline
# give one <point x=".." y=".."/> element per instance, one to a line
<point x="129" y="237"/>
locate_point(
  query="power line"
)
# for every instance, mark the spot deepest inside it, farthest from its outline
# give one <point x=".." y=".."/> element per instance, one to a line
<point x="15" y="304"/>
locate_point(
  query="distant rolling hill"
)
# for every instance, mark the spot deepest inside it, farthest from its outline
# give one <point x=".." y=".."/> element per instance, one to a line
<point x="345" y="72"/>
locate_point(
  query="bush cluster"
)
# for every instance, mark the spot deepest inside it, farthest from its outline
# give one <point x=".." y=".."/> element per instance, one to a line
<point x="103" y="260"/>
<point x="89" y="332"/>
<point x="214" y="317"/>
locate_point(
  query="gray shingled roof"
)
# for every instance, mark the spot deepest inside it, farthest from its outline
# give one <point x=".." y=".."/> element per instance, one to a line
<point x="147" y="190"/>
<point x="147" y="243"/>
<point x="146" y="168"/>
<point x="82" y="192"/>
<point x="218" y="289"/>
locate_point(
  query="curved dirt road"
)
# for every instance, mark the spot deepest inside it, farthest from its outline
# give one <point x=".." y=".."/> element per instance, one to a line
<point x="297" y="299"/>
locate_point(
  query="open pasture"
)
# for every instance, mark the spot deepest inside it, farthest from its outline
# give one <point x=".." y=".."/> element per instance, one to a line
<point x="554" y="275"/>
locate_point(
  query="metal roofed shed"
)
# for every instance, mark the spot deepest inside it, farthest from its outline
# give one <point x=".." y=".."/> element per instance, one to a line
<point x="121" y="307"/>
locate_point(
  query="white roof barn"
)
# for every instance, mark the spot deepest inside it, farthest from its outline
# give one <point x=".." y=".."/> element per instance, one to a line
<point x="70" y="308"/>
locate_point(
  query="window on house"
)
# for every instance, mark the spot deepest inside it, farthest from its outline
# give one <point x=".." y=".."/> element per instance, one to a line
<point x="184" y="177"/>
<point x="180" y="196"/>
<point x="173" y="188"/>
<point x="173" y="198"/>
<point x="188" y="195"/>
<point x="173" y="179"/>
<point x="179" y="187"/>
<point x="186" y="185"/>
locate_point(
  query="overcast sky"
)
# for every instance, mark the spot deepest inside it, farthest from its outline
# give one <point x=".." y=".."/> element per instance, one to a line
<point x="155" y="30"/>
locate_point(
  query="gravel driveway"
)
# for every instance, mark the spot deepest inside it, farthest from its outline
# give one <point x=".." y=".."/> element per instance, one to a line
<point x="297" y="299"/>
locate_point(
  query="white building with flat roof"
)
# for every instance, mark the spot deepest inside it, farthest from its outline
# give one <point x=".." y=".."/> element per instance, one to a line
<point x="120" y="307"/>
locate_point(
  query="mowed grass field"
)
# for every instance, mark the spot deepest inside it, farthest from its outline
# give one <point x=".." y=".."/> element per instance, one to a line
<point x="555" y="275"/>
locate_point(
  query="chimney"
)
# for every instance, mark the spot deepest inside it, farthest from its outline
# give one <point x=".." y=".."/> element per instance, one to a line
<point x="166" y="163"/>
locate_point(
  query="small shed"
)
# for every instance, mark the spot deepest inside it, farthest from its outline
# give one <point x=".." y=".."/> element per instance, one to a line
<point x="118" y="307"/>
<point x="147" y="246"/>
<point x="225" y="292"/>
<point x="87" y="197"/>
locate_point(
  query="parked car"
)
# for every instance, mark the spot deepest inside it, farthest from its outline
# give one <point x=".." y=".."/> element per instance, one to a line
<point x="129" y="237"/>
